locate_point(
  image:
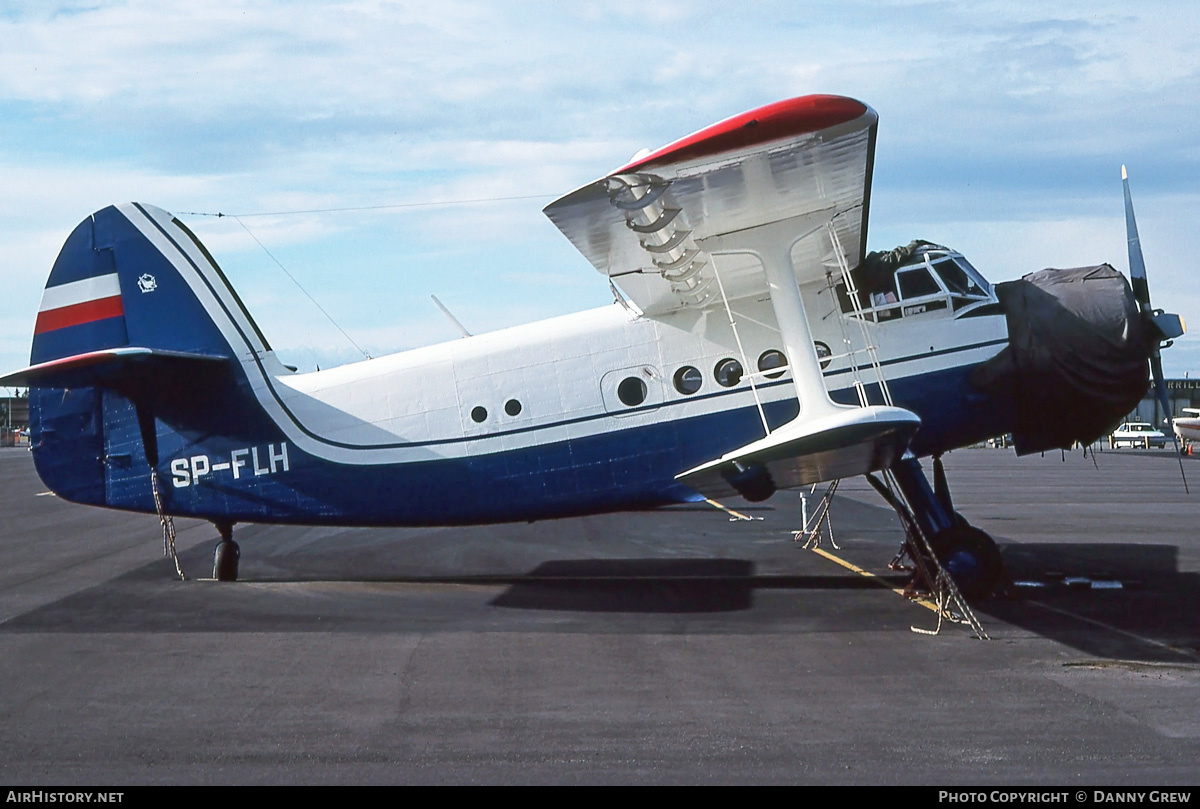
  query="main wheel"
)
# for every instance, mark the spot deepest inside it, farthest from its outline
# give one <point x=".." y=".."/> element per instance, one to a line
<point x="972" y="560"/>
<point x="225" y="560"/>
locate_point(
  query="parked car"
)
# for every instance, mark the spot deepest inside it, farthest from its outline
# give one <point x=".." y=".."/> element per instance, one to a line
<point x="1137" y="434"/>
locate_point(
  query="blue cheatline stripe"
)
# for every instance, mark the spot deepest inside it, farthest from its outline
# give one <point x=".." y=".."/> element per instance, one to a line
<point x="630" y="469"/>
<point x="618" y="470"/>
<point x="1002" y="341"/>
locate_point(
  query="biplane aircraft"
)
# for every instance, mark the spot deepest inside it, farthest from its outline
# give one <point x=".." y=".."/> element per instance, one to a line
<point x="754" y="346"/>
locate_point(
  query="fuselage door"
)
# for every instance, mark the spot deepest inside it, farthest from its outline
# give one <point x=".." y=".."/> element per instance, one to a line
<point x="627" y="391"/>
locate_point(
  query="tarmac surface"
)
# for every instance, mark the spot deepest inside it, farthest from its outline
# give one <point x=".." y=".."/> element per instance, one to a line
<point x="675" y="646"/>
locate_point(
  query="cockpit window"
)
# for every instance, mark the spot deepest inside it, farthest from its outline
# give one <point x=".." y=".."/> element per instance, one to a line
<point x="957" y="280"/>
<point x="916" y="279"/>
<point x="916" y="283"/>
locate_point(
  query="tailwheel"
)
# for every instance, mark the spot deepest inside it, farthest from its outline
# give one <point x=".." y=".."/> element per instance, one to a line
<point x="971" y="558"/>
<point x="226" y="555"/>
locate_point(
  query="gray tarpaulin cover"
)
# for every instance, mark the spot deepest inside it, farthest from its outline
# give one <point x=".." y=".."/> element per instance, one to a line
<point x="1076" y="362"/>
<point x="878" y="269"/>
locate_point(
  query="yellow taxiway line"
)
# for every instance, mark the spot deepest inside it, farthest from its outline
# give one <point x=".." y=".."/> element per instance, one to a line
<point x="927" y="604"/>
<point x="737" y="515"/>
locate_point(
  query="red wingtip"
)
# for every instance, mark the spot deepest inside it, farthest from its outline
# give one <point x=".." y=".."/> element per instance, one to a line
<point x="783" y="119"/>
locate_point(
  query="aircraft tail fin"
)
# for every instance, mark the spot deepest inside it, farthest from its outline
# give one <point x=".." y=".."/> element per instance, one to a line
<point x="139" y="339"/>
<point x="134" y="277"/>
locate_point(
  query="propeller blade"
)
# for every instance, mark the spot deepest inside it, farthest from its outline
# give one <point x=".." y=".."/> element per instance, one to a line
<point x="1137" y="265"/>
<point x="1160" y="391"/>
<point x="1160" y="327"/>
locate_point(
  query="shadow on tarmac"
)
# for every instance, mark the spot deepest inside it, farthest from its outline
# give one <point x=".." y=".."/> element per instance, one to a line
<point x="1115" y="601"/>
<point x="1119" y="602"/>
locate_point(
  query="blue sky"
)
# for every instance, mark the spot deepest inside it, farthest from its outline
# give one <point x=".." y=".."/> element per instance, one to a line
<point x="1002" y="131"/>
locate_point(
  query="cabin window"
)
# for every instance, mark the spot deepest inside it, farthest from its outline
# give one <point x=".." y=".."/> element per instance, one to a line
<point x="728" y="372"/>
<point x="479" y="415"/>
<point x="771" y="359"/>
<point x="631" y="391"/>
<point x="512" y="407"/>
<point x="824" y="354"/>
<point x="688" y="380"/>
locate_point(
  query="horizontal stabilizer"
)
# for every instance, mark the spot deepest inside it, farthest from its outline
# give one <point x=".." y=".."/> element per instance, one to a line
<point x="116" y="367"/>
<point x="851" y="442"/>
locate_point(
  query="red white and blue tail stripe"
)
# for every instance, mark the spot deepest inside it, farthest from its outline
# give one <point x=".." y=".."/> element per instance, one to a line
<point x="114" y="302"/>
<point x="80" y="303"/>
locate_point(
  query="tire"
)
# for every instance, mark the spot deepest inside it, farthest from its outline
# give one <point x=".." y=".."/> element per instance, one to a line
<point x="225" y="561"/>
<point x="972" y="560"/>
<point x="753" y="483"/>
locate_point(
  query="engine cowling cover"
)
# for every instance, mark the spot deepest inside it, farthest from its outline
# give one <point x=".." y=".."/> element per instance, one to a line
<point x="1076" y="360"/>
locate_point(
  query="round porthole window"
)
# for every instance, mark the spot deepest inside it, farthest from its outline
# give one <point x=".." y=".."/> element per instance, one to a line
<point x="823" y="354"/>
<point x="770" y="360"/>
<point x="688" y="380"/>
<point x="728" y="372"/>
<point x="512" y="407"/>
<point x="479" y="415"/>
<point x="631" y="391"/>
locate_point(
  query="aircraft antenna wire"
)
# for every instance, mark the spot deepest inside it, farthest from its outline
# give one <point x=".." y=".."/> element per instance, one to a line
<point x="299" y="286"/>
<point x="351" y="209"/>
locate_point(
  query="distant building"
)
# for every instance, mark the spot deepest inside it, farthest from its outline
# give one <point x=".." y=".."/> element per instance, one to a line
<point x="14" y="418"/>
<point x="1181" y="393"/>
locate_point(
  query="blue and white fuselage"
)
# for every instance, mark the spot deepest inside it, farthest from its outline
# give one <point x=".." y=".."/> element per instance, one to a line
<point x="526" y="423"/>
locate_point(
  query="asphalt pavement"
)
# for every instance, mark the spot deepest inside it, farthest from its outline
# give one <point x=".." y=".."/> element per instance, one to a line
<point x="677" y="646"/>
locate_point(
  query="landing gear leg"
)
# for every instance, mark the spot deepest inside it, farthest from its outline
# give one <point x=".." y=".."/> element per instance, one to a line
<point x="226" y="554"/>
<point x="968" y="554"/>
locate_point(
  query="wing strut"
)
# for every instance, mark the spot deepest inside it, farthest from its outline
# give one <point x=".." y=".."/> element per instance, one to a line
<point x="772" y="245"/>
<point x="825" y="440"/>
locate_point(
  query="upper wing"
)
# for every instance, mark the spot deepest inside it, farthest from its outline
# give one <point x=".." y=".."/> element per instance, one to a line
<point x="810" y="156"/>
